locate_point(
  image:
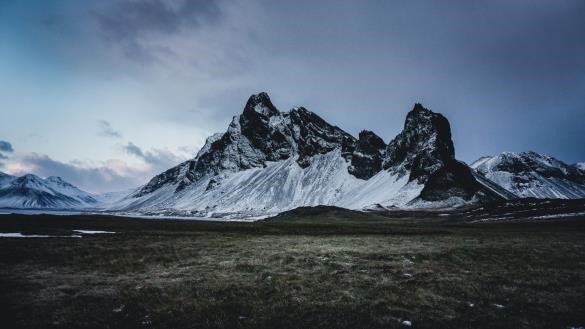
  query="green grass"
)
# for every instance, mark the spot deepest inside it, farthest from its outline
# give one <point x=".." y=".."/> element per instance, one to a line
<point x="322" y="269"/>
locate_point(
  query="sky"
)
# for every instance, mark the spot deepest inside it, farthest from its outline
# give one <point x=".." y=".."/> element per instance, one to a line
<point x="108" y="93"/>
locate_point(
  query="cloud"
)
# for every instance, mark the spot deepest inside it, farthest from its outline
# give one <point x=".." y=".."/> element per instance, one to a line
<point x="106" y="130"/>
<point x="97" y="177"/>
<point x="131" y="24"/>
<point x="6" y="147"/>
<point x="156" y="158"/>
<point x="486" y="65"/>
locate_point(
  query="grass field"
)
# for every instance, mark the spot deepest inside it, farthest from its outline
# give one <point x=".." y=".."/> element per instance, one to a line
<point x="318" y="269"/>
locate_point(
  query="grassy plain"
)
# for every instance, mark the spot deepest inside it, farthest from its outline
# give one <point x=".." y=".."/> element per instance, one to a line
<point x="314" y="268"/>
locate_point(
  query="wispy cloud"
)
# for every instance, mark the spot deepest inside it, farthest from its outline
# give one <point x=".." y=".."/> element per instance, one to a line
<point x="156" y="158"/>
<point x="95" y="176"/>
<point x="5" y="147"/>
<point x="131" y="25"/>
<point x="106" y="130"/>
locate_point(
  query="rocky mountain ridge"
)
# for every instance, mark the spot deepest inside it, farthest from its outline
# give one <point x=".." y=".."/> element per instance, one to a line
<point x="418" y="166"/>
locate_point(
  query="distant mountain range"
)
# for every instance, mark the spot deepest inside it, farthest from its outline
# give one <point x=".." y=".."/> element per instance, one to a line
<point x="270" y="161"/>
<point x="529" y="174"/>
<point x="30" y="191"/>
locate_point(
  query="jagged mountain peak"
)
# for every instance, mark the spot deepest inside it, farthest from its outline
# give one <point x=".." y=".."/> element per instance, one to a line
<point x="423" y="146"/>
<point x="366" y="160"/>
<point x="297" y="133"/>
<point x="418" y="107"/>
<point x="369" y="138"/>
<point x="260" y="104"/>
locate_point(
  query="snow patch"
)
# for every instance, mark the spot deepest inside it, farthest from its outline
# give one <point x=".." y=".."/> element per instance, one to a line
<point x="20" y="235"/>
<point x="261" y="192"/>
<point x="93" y="232"/>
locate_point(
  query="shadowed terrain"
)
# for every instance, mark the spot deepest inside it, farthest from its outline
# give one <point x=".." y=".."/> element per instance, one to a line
<point x="309" y="268"/>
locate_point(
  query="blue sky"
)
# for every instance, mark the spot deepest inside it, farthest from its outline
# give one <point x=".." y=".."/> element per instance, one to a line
<point x="108" y="93"/>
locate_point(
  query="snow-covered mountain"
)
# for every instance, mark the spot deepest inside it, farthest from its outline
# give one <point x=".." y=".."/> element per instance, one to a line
<point x="529" y="174"/>
<point x="270" y="161"/>
<point x="104" y="199"/>
<point x="30" y="191"/>
<point x="5" y="179"/>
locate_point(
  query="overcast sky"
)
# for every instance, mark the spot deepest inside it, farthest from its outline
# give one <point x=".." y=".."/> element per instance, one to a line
<point x="108" y="93"/>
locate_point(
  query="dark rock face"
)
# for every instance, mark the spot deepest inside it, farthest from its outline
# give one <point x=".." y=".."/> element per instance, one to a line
<point x="280" y="135"/>
<point x="577" y="173"/>
<point x="255" y="125"/>
<point x="314" y="135"/>
<point x="423" y="146"/>
<point x="366" y="160"/>
<point x="424" y="150"/>
<point x="454" y="179"/>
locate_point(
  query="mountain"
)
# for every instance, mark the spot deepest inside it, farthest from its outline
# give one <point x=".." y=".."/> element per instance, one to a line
<point x="529" y="174"/>
<point x="270" y="161"/>
<point x="106" y="198"/>
<point x="5" y="179"/>
<point x="30" y="191"/>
